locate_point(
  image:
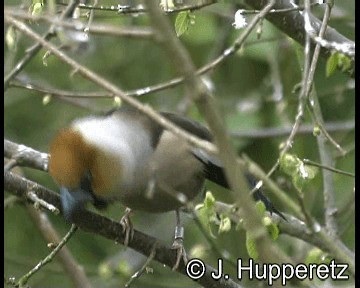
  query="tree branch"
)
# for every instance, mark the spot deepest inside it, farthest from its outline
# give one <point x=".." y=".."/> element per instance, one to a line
<point x="206" y="104"/>
<point x="193" y="140"/>
<point x="293" y="23"/>
<point x="25" y="156"/>
<point x="94" y="28"/>
<point x="94" y="223"/>
<point x="36" y="48"/>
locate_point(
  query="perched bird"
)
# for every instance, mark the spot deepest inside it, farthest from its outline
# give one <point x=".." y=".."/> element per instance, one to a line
<point x="126" y="156"/>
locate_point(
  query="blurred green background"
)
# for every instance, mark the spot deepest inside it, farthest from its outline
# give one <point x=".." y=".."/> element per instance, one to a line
<point x="254" y="90"/>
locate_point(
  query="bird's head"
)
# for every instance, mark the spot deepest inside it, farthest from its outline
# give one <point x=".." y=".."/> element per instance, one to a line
<point x="70" y="165"/>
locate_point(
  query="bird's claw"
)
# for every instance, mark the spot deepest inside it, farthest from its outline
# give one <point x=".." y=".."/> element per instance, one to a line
<point x="127" y="226"/>
<point x="180" y="252"/>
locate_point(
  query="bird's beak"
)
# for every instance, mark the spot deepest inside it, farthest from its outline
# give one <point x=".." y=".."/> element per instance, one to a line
<point x="73" y="202"/>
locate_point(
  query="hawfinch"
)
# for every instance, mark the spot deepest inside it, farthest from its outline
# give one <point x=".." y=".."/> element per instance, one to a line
<point x="126" y="156"/>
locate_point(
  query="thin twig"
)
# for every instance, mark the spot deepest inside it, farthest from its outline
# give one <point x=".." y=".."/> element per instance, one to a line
<point x="138" y="273"/>
<point x="124" y="9"/>
<point x="193" y="140"/>
<point x="312" y="163"/>
<point x="302" y="101"/>
<point x="308" y="219"/>
<point x="30" y="53"/>
<point x="144" y="90"/>
<point x="40" y="202"/>
<point x="283" y="131"/>
<point x="92" y="28"/>
<point x="24" y="279"/>
<point x="278" y="11"/>
<point x="325" y="155"/>
<point x="74" y="271"/>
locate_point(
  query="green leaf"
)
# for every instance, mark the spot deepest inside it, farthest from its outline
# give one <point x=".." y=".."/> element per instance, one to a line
<point x="317" y="256"/>
<point x="209" y="200"/>
<point x="167" y="4"/>
<point x="344" y="62"/>
<point x="10" y="38"/>
<point x="304" y="175"/>
<point x="225" y="224"/>
<point x="37" y="9"/>
<point x="337" y="60"/>
<point x="289" y="163"/>
<point x="294" y="167"/>
<point x="251" y="247"/>
<point x="105" y="271"/>
<point x="298" y="182"/>
<point x="316" y="130"/>
<point x="331" y="64"/>
<point x="46" y="99"/>
<point x="117" y="102"/>
<point x="240" y="225"/>
<point x="271" y="227"/>
<point x="260" y="207"/>
<point x="182" y="22"/>
<point x="207" y="214"/>
<point x="198" y="251"/>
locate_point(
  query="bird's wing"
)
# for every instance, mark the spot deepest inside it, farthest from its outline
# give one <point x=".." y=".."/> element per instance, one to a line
<point x="213" y="168"/>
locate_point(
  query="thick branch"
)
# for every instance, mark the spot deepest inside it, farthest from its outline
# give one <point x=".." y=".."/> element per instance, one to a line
<point x="292" y="23"/>
<point x="94" y="223"/>
<point x="25" y="156"/>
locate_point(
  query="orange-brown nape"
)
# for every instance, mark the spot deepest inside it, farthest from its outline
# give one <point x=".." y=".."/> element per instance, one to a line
<point x="70" y="158"/>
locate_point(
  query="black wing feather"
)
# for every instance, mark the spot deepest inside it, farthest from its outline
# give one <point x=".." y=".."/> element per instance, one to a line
<point x="213" y="169"/>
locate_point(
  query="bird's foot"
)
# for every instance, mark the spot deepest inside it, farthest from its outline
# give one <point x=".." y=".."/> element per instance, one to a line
<point x="127" y="226"/>
<point x="178" y="245"/>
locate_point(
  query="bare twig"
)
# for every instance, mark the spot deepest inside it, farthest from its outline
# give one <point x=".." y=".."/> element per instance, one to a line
<point x="312" y="163"/>
<point x="25" y="156"/>
<point x="343" y="47"/>
<point x="40" y="202"/>
<point x="325" y="155"/>
<point x="74" y="271"/>
<point x="92" y="28"/>
<point x="24" y="279"/>
<point x="138" y="273"/>
<point x="30" y="53"/>
<point x="145" y="90"/>
<point x="121" y="9"/>
<point x="283" y="131"/>
<point x="293" y="23"/>
<point x="207" y="146"/>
